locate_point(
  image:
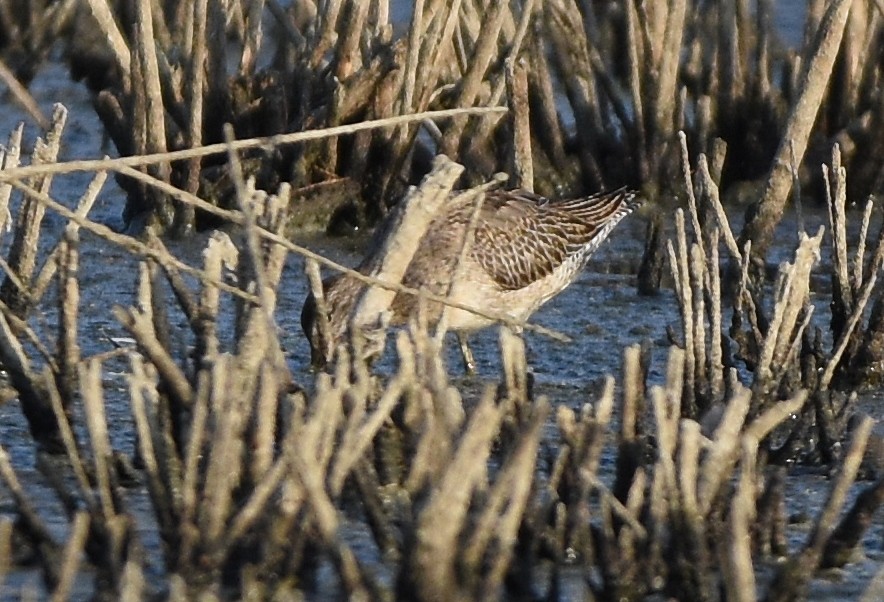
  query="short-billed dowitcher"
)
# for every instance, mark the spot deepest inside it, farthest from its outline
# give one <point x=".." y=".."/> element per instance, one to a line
<point x="526" y="250"/>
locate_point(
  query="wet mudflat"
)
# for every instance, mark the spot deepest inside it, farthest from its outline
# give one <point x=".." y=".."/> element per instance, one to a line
<point x="601" y="313"/>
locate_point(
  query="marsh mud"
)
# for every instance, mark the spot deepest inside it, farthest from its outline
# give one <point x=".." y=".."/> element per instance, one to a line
<point x="601" y="313"/>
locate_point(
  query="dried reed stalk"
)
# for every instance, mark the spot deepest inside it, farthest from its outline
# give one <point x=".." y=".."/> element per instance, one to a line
<point x="252" y="462"/>
<point x="10" y="157"/>
<point x="852" y="290"/>
<point x="23" y="252"/>
<point x="71" y="557"/>
<point x="104" y="18"/>
<point x="517" y="92"/>
<point x="737" y="570"/>
<point x="418" y="210"/>
<point x="792" y="300"/>
<point x="31" y="525"/>
<point x="84" y="205"/>
<point x="22" y="96"/>
<point x="483" y="53"/>
<point x="759" y="229"/>
<point x="6" y="529"/>
<point x="791" y="580"/>
<point x="117" y="164"/>
<point x="197" y="72"/>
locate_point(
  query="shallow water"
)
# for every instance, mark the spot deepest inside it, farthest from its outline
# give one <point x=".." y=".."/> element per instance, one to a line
<point x="600" y="312"/>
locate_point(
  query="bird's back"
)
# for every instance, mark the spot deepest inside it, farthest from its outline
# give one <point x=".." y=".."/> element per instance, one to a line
<point x="526" y="249"/>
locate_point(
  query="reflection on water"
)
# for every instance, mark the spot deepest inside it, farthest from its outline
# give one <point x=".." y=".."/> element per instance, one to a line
<point x="788" y="16"/>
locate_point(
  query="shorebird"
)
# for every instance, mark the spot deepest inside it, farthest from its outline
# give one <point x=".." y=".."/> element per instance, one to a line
<point x="526" y="249"/>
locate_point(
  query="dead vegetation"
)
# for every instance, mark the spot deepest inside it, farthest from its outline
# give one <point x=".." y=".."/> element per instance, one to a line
<point x="609" y="85"/>
<point x="399" y="485"/>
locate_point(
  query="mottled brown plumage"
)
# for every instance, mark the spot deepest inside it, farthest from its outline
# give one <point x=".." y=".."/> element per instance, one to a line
<point x="526" y="250"/>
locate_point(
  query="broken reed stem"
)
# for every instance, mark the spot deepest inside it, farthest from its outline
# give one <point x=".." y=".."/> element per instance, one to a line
<point x="196" y="69"/>
<point x="84" y="205"/>
<point x="712" y="195"/>
<point x="483" y="52"/>
<point x="526" y="18"/>
<point x="406" y="98"/>
<point x="22" y="96"/>
<point x="149" y="447"/>
<point x="356" y="441"/>
<point x="348" y="57"/>
<point x="737" y="569"/>
<point x="418" y="210"/>
<point x="444" y="515"/>
<point x="627" y="513"/>
<point x="689" y="189"/>
<point x="724" y="450"/>
<point x="681" y="273"/>
<point x="762" y="426"/>
<point x="791" y="580"/>
<point x="314" y="279"/>
<point x="324" y="33"/>
<point x="635" y="53"/>
<point x="700" y="385"/>
<point x="9" y="159"/>
<point x="604" y="410"/>
<point x="515" y="366"/>
<point x="30" y="522"/>
<point x="140" y="326"/>
<point x="508" y="499"/>
<point x="670" y="47"/>
<point x="106" y="22"/>
<point x="250" y="511"/>
<point x="229" y="402"/>
<point x="24" y="248"/>
<point x="96" y="421"/>
<point x="244" y="200"/>
<point x="812" y="87"/>
<point x="632" y="394"/>
<point x="176" y="282"/>
<point x="69" y="301"/>
<point x="252" y="37"/>
<point x="517" y="93"/>
<point x="791" y="299"/>
<point x="855" y="316"/>
<point x="191" y="465"/>
<point x="6" y="532"/>
<point x="326" y="519"/>
<point x="220" y="253"/>
<point x="838" y="494"/>
<point x="716" y="353"/>
<point x="23" y="290"/>
<point x="70" y="562"/>
<point x="835" y="178"/>
<point x="70" y="445"/>
<point x="145" y="53"/>
<point x="859" y="259"/>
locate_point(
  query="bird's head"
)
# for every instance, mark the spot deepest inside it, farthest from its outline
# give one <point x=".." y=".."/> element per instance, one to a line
<point x="340" y="294"/>
<point x="320" y="351"/>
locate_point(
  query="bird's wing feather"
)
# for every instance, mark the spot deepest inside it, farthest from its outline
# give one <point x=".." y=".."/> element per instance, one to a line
<point x="523" y="237"/>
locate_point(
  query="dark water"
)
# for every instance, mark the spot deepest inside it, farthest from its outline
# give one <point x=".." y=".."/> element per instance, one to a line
<point x="600" y="312"/>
